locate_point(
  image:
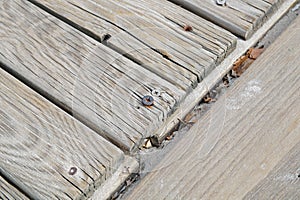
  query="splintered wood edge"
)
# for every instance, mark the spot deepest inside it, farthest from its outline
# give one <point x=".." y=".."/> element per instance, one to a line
<point x="219" y="72"/>
<point x="113" y="183"/>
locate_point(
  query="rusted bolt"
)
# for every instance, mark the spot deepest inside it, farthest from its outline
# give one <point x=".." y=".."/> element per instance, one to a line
<point x="72" y="170"/>
<point x="187" y="28"/>
<point x="148" y="100"/>
<point x="221" y="2"/>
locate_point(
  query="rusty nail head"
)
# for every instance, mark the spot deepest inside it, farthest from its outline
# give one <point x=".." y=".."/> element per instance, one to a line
<point x="72" y="170"/>
<point x="221" y="2"/>
<point x="187" y="28"/>
<point x="148" y="100"/>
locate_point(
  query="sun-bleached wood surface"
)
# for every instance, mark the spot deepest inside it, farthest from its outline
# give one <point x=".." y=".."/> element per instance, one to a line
<point x="283" y="181"/>
<point x="98" y="86"/>
<point x="241" y="17"/>
<point x="250" y="131"/>
<point x="152" y="33"/>
<point x="46" y="152"/>
<point x="9" y="192"/>
<point x="103" y="89"/>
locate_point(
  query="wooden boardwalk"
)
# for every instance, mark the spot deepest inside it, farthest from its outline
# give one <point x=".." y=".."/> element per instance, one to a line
<point x="240" y="17"/>
<point x="99" y="86"/>
<point x="73" y="75"/>
<point x="247" y="146"/>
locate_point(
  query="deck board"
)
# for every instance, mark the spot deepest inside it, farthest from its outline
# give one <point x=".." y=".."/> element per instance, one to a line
<point x="9" y="192"/>
<point x="40" y="144"/>
<point x="97" y="85"/>
<point x="141" y="30"/>
<point x="242" y="138"/>
<point x="241" y="17"/>
<point x="283" y="181"/>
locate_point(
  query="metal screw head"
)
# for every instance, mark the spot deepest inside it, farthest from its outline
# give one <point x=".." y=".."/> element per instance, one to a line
<point x="148" y="100"/>
<point x="221" y="2"/>
<point x="72" y="170"/>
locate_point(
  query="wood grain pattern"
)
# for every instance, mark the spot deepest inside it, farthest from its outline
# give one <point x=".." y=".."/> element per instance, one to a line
<point x="40" y="144"/>
<point x="241" y="17"/>
<point x="283" y="181"/>
<point x="242" y="138"/>
<point x="9" y="192"/>
<point x="147" y="31"/>
<point x="98" y="86"/>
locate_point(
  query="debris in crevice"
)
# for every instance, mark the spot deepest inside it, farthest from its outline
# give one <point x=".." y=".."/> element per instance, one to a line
<point x="255" y="52"/>
<point x="239" y="67"/>
<point x="152" y="156"/>
<point x="171" y="136"/>
<point x="129" y="181"/>
<point x="242" y="64"/>
<point x="147" y="144"/>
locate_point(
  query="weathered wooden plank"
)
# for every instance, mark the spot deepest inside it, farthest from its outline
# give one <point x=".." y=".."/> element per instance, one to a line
<point x="44" y="151"/>
<point x="241" y="17"/>
<point x="97" y="85"/>
<point x="219" y="72"/>
<point x="9" y="192"/>
<point x="242" y="138"/>
<point x="146" y="32"/>
<point x="283" y="181"/>
<point x="208" y="35"/>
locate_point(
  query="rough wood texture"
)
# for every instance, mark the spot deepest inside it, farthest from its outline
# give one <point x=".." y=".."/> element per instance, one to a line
<point x="147" y="31"/>
<point x="219" y="72"/>
<point x="241" y="17"/>
<point x="242" y="138"/>
<point x="9" y="192"/>
<point x="40" y="144"/>
<point x="97" y="85"/>
<point x="283" y="181"/>
<point x="118" y="180"/>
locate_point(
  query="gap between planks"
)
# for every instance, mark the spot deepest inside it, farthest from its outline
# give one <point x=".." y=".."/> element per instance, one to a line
<point x="252" y="128"/>
<point x="9" y="191"/>
<point x="100" y="87"/>
<point x="218" y="73"/>
<point x="241" y="17"/>
<point x="149" y="38"/>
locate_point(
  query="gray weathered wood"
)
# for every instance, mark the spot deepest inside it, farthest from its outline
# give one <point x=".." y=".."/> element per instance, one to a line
<point x="9" y="192"/>
<point x="98" y="86"/>
<point x="242" y="138"/>
<point x="219" y="72"/>
<point x="40" y="144"/>
<point x="283" y="180"/>
<point x="137" y="28"/>
<point x="241" y="17"/>
<point x="209" y="36"/>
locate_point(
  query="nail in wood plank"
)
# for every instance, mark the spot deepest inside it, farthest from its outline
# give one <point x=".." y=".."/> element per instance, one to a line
<point x="241" y="17"/>
<point x="98" y="86"/>
<point x="242" y="138"/>
<point x="46" y="152"/>
<point x="146" y="32"/>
